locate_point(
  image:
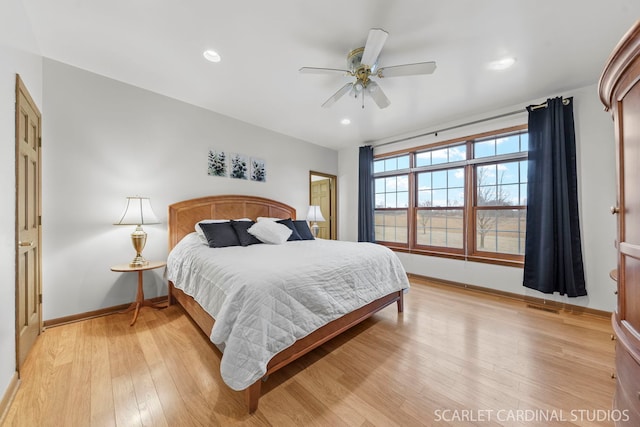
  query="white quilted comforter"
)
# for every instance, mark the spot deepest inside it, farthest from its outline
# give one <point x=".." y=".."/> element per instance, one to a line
<point x="265" y="297"/>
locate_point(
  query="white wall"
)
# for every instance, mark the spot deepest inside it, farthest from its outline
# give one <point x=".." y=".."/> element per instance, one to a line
<point x="104" y="140"/>
<point x="596" y="182"/>
<point x="16" y="41"/>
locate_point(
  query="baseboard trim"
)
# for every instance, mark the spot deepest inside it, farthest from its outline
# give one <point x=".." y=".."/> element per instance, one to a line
<point x="95" y="313"/>
<point x="534" y="302"/>
<point x="9" y="395"/>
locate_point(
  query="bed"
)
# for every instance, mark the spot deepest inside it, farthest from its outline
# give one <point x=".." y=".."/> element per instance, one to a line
<point x="182" y="218"/>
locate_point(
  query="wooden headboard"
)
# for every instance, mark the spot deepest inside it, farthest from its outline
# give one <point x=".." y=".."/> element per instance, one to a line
<point x="184" y="215"/>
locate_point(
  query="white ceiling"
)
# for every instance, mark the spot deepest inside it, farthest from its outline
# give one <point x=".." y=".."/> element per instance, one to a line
<point x="158" y="45"/>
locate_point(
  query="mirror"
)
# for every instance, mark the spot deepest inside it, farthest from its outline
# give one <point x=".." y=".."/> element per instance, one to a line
<point x="322" y="192"/>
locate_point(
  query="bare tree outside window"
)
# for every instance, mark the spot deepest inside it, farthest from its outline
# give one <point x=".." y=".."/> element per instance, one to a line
<point x="425" y="215"/>
<point x="489" y="194"/>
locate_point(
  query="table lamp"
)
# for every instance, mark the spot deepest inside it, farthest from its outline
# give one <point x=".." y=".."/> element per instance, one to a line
<point x="138" y="212"/>
<point x="314" y="215"/>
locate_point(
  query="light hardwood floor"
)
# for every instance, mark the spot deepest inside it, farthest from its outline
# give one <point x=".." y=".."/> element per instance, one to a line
<point x="452" y="355"/>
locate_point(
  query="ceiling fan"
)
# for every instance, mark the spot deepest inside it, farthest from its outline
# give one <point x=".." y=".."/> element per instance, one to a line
<point x="363" y="64"/>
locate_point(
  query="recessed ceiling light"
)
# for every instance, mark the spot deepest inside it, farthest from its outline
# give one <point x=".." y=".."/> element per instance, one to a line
<point x="211" y="55"/>
<point x="502" y="64"/>
<point x="345" y="121"/>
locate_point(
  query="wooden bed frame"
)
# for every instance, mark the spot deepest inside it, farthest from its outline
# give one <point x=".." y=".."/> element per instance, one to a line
<point x="182" y="218"/>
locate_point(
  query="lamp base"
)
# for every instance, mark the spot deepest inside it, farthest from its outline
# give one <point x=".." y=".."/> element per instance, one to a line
<point x="315" y="228"/>
<point x="138" y="261"/>
<point x="138" y="239"/>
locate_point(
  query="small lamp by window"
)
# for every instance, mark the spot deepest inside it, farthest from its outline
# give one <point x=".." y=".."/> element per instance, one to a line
<point x="138" y="212"/>
<point x="314" y="215"/>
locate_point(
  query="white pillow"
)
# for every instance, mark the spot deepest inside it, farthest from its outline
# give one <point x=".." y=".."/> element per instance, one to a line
<point x="203" y="238"/>
<point x="267" y="218"/>
<point x="270" y="232"/>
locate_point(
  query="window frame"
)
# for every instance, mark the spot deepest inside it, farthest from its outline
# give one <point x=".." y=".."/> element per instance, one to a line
<point x="470" y="206"/>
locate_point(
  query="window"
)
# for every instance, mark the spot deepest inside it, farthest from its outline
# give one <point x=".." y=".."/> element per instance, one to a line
<point x="501" y="194"/>
<point x="463" y="198"/>
<point x="440" y="208"/>
<point x="391" y="186"/>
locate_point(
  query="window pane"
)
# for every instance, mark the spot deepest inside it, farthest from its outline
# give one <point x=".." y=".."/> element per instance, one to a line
<point x="439" y="197"/>
<point x="458" y="153"/>
<point x="423" y="159"/>
<point x="510" y="144"/>
<point x="486" y="175"/>
<point x="484" y="149"/>
<point x="424" y="198"/>
<point x="378" y="166"/>
<point x="440" y="228"/>
<point x="390" y="184"/>
<point x="402" y="183"/>
<point x="390" y="200"/>
<point x="439" y="179"/>
<point x="391" y="226"/>
<point x="455" y="197"/>
<point x="403" y="199"/>
<point x="456" y="177"/>
<point x="379" y="185"/>
<point x="380" y="200"/>
<point x="508" y="195"/>
<point x="390" y="164"/>
<point x="501" y="231"/>
<point x="509" y="172"/>
<point x="487" y="195"/>
<point x="424" y="181"/>
<point x="439" y="156"/>
<point x="403" y="162"/>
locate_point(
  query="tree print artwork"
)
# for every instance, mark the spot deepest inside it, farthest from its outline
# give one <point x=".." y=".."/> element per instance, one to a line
<point x="217" y="163"/>
<point x="239" y="166"/>
<point x="258" y="170"/>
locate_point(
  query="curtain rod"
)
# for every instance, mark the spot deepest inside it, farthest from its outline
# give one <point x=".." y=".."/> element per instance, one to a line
<point x="565" y="101"/>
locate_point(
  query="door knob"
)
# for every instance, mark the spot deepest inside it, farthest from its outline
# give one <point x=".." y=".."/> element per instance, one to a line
<point x="615" y="210"/>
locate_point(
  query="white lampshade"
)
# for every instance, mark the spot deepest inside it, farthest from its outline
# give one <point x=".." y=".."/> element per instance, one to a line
<point x="138" y="212"/>
<point x="315" y="214"/>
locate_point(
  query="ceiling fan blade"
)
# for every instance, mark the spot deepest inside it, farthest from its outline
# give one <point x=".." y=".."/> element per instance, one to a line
<point x="378" y="95"/>
<point x="375" y="41"/>
<point x="317" y="70"/>
<point x="407" y="69"/>
<point x="339" y="94"/>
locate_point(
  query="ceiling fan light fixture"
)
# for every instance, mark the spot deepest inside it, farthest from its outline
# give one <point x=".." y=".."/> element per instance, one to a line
<point x="211" y="55"/>
<point x="362" y="64"/>
<point x="502" y="64"/>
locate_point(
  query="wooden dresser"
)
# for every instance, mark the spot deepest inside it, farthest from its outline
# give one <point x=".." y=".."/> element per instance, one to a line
<point x="619" y="90"/>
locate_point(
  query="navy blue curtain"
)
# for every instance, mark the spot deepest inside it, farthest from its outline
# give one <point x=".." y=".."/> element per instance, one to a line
<point x="366" y="231"/>
<point x="553" y="252"/>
